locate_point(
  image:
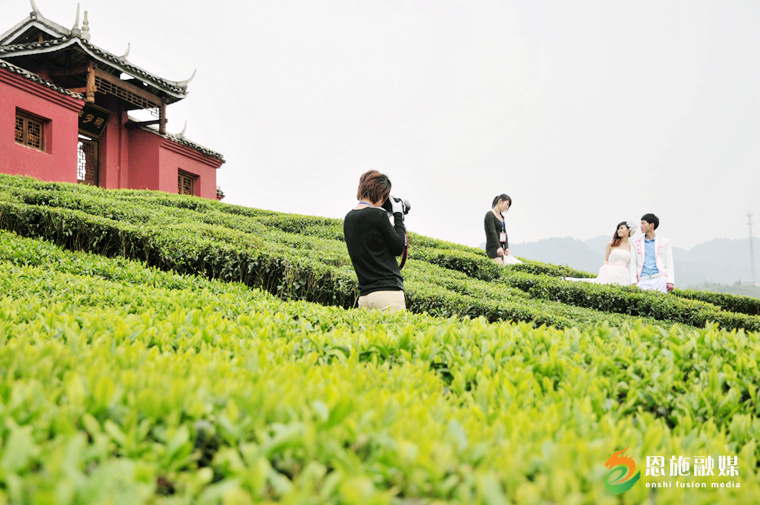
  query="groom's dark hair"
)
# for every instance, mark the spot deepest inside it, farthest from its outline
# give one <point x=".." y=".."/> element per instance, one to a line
<point x="651" y="219"/>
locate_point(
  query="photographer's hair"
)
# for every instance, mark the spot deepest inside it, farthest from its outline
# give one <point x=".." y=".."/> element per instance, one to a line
<point x="651" y="219"/>
<point x="374" y="186"/>
<point x="503" y="197"/>
<point x="615" y="237"/>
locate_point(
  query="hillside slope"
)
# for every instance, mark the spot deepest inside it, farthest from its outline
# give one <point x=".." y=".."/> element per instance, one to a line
<point x="302" y="257"/>
<point x="123" y="383"/>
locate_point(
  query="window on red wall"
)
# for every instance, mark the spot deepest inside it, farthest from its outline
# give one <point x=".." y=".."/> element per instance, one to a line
<point x="186" y="183"/>
<point x="30" y="131"/>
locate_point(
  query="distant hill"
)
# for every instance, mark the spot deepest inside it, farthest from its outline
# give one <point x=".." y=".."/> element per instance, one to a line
<point x="562" y="251"/>
<point x="740" y="289"/>
<point x="719" y="261"/>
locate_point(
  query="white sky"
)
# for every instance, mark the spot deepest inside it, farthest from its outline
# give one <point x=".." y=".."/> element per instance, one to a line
<point x="586" y="113"/>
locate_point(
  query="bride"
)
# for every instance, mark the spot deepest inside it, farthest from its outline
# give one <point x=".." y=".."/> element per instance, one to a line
<point x="614" y="270"/>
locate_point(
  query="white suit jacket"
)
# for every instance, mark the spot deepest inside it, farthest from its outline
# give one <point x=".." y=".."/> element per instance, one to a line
<point x="663" y="254"/>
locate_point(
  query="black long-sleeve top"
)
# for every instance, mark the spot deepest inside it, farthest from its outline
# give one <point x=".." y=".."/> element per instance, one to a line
<point x="494" y="228"/>
<point x="373" y="245"/>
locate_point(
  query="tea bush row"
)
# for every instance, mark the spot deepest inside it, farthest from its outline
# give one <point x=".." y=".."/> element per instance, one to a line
<point x="730" y="303"/>
<point x="32" y="268"/>
<point x="298" y="257"/>
<point x="628" y="300"/>
<point x="289" y="265"/>
<point x="195" y="393"/>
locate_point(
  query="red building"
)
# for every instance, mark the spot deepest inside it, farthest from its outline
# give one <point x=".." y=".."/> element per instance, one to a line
<point x="64" y="106"/>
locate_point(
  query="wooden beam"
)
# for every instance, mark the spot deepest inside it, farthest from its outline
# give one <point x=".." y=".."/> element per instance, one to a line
<point x="90" y="93"/>
<point x="142" y="93"/>
<point x="69" y="72"/>
<point x="162" y="118"/>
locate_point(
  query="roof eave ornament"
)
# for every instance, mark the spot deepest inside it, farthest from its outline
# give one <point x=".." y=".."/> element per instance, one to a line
<point x="123" y="57"/>
<point x="184" y="129"/>
<point x="75" y="31"/>
<point x="35" y="11"/>
<point x="183" y="84"/>
<point x="86" y="28"/>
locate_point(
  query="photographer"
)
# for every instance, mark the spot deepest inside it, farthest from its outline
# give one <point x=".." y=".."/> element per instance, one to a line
<point x="373" y="243"/>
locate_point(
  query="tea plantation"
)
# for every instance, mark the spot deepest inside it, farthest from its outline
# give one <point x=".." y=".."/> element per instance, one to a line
<point x="164" y="349"/>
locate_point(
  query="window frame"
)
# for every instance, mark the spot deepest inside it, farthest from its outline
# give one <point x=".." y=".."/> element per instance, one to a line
<point x="192" y="178"/>
<point x="28" y="119"/>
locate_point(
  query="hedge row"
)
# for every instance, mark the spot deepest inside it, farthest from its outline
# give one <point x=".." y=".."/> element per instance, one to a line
<point x="549" y="270"/>
<point x="222" y="394"/>
<point x="32" y="268"/>
<point x="477" y="266"/>
<point x="628" y="300"/>
<point x="188" y="248"/>
<point x="731" y="303"/>
<point x="234" y="248"/>
<point x="298" y="257"/>
<point x="192" y="248"/>
<point x="195" y="248"/>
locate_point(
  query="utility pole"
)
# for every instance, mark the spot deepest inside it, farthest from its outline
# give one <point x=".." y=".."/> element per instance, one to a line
<point x="751" y="247"/>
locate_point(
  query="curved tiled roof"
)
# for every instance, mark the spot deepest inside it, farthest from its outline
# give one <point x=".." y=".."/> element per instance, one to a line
<point x="192" y="145"/>
<point x="64" y="38"/>
<point x="135" y="71"/>
<point x="38" y="21"/>
<point x="179" y="139"/>
<point x="36" y="78"/>
<point x="176" y="89"/>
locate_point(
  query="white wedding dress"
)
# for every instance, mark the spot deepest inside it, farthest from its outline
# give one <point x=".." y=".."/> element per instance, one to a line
<point x="615" y="271"/>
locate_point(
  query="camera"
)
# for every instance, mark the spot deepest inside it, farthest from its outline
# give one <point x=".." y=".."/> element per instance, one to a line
<point x="389" y="208"/>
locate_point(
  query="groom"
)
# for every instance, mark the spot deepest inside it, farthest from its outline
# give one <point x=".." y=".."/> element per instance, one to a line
<point x="651" y="265"/>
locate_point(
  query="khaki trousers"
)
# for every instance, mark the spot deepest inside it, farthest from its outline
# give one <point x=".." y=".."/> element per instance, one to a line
<point x="391" y="300"/>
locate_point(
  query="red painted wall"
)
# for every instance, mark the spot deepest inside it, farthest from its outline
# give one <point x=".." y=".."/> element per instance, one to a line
<point x="176" y="157"/>
<point x="143" y="160"/>
<point x="155" y="161"/>
<point x="59" y="161"/>
<point x="114" y="152"/>
<point x="136" y="159"/>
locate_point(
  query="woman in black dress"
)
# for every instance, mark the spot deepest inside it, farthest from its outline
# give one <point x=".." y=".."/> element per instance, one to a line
<point x="497" y="242"/>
